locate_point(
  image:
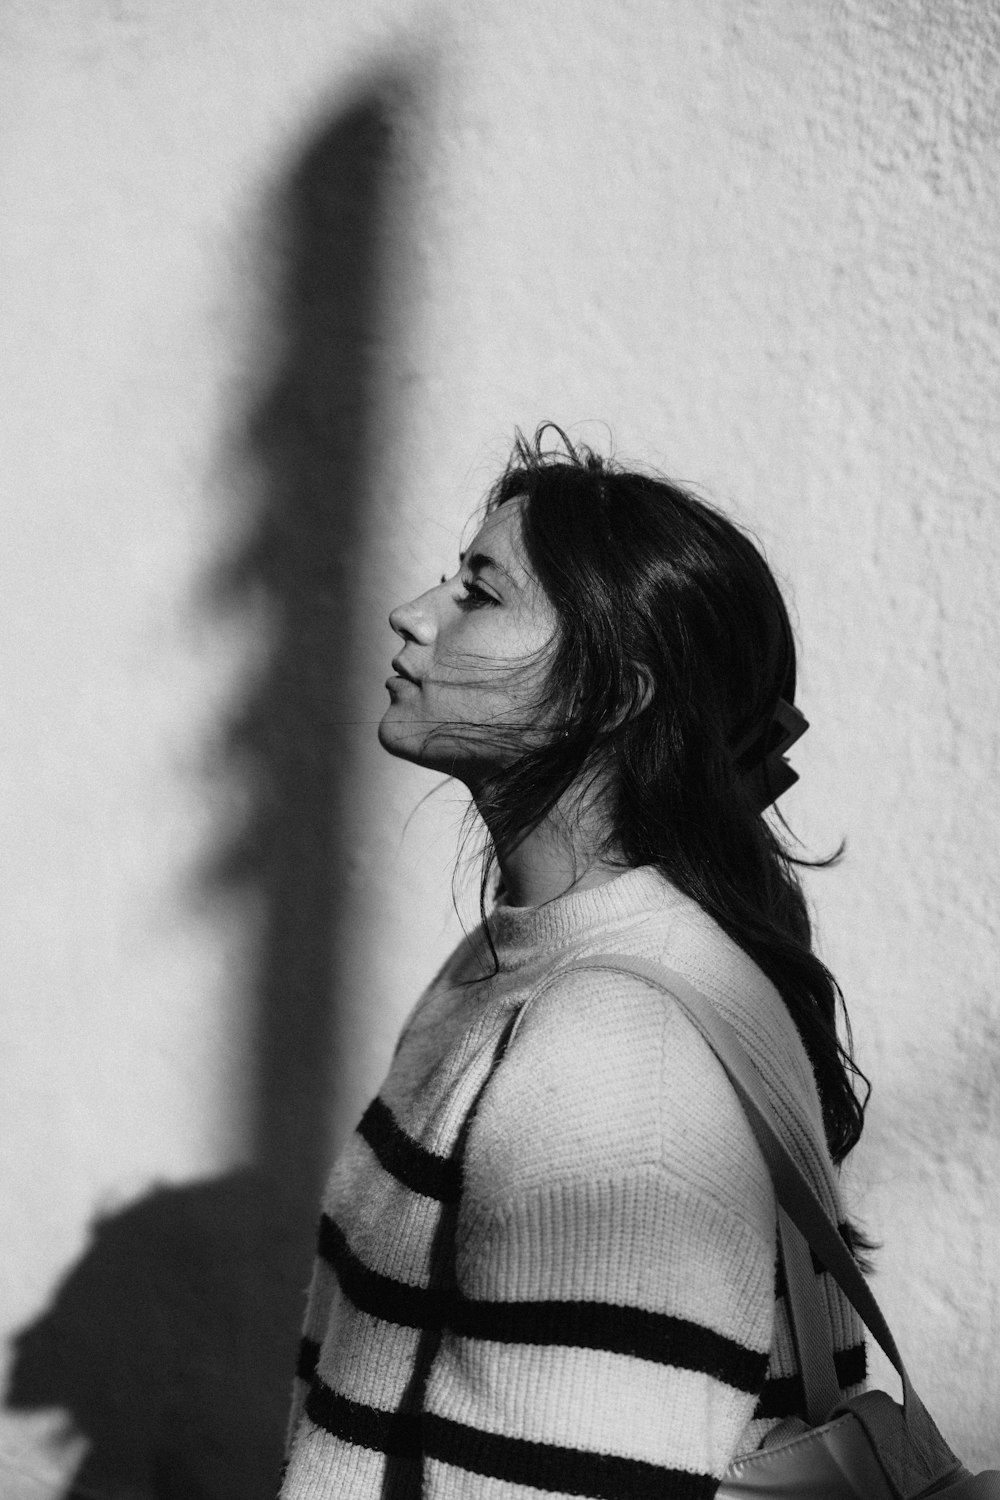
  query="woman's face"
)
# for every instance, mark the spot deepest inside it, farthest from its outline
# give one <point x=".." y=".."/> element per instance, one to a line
<point x="474" y="658"/>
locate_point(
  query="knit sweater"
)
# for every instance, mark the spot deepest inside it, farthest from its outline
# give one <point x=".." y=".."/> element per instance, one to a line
<point x="559" y="1277"/>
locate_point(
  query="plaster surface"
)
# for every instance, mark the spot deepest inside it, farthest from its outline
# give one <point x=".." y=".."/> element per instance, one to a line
<point x="276" y="290"/>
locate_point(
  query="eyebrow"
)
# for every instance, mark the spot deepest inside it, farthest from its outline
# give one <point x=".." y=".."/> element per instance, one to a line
<point x="479" y="560"/>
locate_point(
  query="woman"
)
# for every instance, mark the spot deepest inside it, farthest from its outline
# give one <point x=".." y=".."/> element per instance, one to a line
<point x="552" y="1269"/>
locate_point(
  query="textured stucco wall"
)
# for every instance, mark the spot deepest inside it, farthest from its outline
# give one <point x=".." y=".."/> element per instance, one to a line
<point x="276" y="287"/>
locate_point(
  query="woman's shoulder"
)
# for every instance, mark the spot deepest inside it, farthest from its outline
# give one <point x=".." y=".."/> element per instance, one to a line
<point x="607" y="1080"/>
<point x="680" y="937"/>
<point x="607" y="1072"/>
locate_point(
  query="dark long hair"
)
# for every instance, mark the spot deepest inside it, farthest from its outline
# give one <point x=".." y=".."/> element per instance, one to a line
<point x="674" y="645"/>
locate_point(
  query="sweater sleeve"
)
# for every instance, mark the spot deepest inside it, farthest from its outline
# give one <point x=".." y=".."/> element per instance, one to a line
<point x="615" y="1266"/>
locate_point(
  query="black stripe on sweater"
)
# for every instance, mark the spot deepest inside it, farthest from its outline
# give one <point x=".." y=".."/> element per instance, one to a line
<point x="396" y="1433"/>
<point x="543" y="1466"/>
<point x="784" y="1395"/>
<point x="581" y="1325"/>
<point x="371" y="1292"/>
<point x="420" y="1170"/>
<point x="647" y="1335"/>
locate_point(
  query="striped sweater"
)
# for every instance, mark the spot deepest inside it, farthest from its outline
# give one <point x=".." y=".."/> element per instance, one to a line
<point x="560" y="1278"/>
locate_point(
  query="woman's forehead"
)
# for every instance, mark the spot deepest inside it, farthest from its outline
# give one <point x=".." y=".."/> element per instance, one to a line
<point x="500" y="537"/>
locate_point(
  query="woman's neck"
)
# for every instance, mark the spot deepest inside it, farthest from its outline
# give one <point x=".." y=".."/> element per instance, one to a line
<point x="559" y="856"/>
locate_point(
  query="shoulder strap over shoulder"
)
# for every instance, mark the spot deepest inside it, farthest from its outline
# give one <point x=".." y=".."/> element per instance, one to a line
<point x="796" y="1197"/>
<point x="803" y="1222"/>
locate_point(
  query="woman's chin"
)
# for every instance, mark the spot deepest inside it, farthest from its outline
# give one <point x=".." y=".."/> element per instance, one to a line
<point x="394" y="738"/>
<point x="406" y="741"/>
<point x="433" y="752"/>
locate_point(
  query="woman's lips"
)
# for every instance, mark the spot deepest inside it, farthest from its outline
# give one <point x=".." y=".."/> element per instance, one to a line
<point x="401" y="673"/>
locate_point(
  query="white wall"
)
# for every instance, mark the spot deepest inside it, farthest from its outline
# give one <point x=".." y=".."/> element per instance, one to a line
<point x="757" y="240"/>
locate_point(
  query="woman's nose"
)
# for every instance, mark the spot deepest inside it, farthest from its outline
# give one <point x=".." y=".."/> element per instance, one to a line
<point x="412" y="621"/>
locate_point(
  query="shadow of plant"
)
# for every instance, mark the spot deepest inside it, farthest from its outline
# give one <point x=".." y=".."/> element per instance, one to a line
<point x="171" y="1344"/>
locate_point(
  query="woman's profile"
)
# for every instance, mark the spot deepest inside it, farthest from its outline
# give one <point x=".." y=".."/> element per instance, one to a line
<point x="547" y="1265"/>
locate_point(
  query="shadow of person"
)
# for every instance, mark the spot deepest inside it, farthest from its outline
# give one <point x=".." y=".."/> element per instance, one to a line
<point x="172" y="1343"/>
<point x="168" y="1343"/>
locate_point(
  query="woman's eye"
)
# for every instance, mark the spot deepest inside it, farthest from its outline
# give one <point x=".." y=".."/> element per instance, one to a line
<point x="473" y="597"/>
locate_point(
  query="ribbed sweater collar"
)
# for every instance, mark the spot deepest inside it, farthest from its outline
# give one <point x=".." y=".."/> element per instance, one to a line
<point x="520" y="932"/>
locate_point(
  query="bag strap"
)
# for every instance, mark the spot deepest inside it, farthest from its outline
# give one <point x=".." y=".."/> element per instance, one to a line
<point x="810" y="1323"/>
<point x="795" y="1195"/>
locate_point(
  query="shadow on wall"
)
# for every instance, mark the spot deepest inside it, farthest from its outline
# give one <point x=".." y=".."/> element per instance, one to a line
<point x="173" y="1341"/>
